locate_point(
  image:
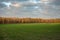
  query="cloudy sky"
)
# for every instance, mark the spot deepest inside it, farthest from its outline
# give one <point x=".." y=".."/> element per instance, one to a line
<point x="30" y="8"/>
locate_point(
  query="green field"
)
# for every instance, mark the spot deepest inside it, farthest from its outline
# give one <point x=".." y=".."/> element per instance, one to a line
<point x="33" y="31"/>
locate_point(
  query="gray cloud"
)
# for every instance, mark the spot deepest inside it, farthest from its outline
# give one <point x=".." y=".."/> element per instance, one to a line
<point x="50" y="10"/>
<point x="2" y="5"/>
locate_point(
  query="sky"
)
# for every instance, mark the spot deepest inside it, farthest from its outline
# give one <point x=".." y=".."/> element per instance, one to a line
<point x="30" y="8"/>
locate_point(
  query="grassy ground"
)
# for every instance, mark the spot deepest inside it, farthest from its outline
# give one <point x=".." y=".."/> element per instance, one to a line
<point x="30" y="31"/>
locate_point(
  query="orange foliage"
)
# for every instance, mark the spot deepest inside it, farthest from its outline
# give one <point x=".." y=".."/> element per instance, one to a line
<point x="27" y="20"/>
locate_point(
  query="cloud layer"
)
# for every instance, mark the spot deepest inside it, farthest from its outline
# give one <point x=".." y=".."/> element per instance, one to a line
<point x="30" y="8"/>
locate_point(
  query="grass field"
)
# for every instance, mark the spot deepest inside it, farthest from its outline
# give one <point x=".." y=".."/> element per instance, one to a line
<point x="31" y="31"/>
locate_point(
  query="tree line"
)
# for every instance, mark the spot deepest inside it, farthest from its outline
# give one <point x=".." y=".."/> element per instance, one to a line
<point x="4" y="20"/>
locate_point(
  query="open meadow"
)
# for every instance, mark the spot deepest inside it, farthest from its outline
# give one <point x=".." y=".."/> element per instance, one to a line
<point x="30" y="31"/>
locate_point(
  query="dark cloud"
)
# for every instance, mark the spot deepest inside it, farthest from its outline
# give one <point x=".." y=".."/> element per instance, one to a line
<point x="27" y="9"/>
<point x="2" y="5"/>
<point x="56" y="2"/>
